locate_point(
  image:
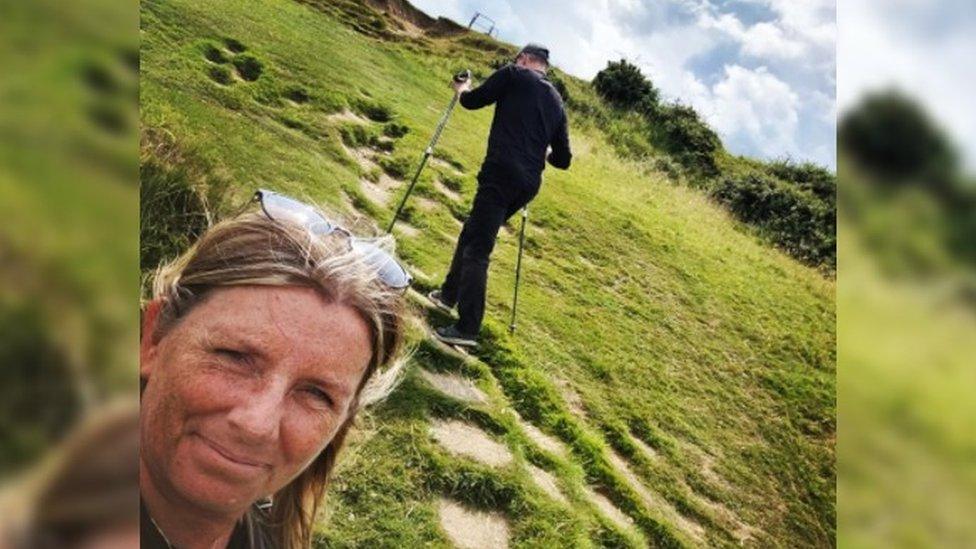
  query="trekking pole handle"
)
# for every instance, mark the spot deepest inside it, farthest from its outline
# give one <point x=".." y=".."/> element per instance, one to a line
<point x="462" y="76"/>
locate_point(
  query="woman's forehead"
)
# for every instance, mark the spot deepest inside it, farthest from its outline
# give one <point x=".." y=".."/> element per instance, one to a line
<point x="287" y="319"/>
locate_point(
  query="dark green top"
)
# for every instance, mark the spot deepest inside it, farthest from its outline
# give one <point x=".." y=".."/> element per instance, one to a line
<point x="249" y="533"/>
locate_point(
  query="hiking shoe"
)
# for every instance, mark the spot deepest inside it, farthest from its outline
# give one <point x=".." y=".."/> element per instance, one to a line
<point x="435" y="297"/>
<point x="452" y="336"/>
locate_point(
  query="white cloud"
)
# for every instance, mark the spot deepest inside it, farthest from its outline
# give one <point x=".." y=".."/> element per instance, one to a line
<point x="763" y="40"/>
<point x="936" y="67"/>
<point x="757" y="110"/>
<point x="768" y="40"/>
<point x="812" y="21"/>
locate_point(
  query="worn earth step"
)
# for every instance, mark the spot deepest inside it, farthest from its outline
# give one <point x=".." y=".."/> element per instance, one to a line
<point x="454" y="386"/>
<point x="547" y="483"/>
<point x="471" y="529"/>
<point x="466" y="440"/>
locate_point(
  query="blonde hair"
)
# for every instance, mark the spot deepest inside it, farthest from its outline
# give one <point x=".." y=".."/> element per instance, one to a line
<point x="252" y="249"/>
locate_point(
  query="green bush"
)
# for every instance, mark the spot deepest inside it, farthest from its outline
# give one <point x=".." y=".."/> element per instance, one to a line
<point x="795" y="219"/>
<point x="676" y="128"/>
<point x="559" y="85"/>
<point x="624" y="86"/>
<point x="808" y="177"/>
<point x="687" y="137"/>
<point x="890" y="134"/>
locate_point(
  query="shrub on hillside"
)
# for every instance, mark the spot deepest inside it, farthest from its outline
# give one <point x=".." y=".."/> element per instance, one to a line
<point x="624" y="86"/>
<point x="808" y="177"/>
<point x="890" y="134"/>
<point x="795" y="219"/>
<point x="560" y="86"/>
<point x="686" y="136"/>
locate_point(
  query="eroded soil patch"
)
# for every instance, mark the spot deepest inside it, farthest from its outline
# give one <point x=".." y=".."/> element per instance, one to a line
<point x="547" y="483"/>
<point x="469" y="441"/>
<point x="471" y="529"/>
<point x="544" y="441"/>
<point x="454" y="386"/>
<point x="609" y="509"/>
<point x="654" y="501"/>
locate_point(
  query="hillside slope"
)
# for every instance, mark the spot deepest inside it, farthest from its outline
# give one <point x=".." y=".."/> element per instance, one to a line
<point x="673" y="377"/>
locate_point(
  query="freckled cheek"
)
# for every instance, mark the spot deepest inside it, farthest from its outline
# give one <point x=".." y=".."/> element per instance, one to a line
<point x="203" y="389"/>
<point x="305" y="435"/>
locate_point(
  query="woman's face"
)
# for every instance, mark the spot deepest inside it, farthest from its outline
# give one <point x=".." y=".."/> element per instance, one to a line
<point x="244" y="392"/>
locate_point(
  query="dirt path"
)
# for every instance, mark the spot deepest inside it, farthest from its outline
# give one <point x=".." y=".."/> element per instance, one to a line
<point x="470" y="529"/>
<point x="466" y="440"/>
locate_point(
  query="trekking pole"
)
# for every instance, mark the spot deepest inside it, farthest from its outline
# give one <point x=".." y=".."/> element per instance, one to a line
<point x="518" y="267"/>
<point x="459" y="77"/>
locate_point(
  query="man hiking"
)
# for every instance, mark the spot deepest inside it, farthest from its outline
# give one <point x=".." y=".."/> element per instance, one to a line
<point x="529" y="119"/>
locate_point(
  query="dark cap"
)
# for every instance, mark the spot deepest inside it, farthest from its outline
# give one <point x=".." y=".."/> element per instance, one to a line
<point x="537" y="50"/>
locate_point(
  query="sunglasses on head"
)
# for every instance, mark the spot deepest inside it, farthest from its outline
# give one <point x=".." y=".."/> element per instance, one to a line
<point x="281" y="208"/>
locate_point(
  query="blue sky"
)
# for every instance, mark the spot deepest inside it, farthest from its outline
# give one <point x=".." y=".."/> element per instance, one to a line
<point x="762" y="72"/>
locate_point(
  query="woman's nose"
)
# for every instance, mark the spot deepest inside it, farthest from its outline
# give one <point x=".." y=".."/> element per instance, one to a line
<point x="257" y="417"/>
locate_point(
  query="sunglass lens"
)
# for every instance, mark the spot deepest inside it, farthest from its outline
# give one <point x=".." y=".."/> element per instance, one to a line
<point x="283" y="208"/>
<point x="390" y="271"/>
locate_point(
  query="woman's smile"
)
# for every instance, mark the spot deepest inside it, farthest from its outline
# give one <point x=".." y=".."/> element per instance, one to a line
<point x="233" y="462"/>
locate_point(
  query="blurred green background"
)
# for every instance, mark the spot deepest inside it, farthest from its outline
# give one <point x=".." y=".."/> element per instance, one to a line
<point x="906" y="305"/>
<point x="69" y="282"/>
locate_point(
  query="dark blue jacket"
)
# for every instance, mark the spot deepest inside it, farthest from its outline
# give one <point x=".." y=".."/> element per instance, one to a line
<point x="529" y="118"/>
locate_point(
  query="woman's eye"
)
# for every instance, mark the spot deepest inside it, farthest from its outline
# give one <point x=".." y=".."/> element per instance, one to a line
<point x="231" y="354"/>
<point x="319" y="395"/>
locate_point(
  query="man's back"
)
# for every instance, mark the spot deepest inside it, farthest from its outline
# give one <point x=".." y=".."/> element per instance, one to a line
<point x="529" y="117"/>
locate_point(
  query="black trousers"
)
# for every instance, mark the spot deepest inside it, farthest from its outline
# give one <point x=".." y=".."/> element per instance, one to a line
<point x="467" y="279"/>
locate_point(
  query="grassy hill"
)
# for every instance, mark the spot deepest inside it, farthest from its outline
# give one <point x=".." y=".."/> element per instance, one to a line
<point x="669" y="365"/>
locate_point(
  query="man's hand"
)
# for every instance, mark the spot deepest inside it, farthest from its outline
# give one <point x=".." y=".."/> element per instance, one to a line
<point x="462" y="86"/>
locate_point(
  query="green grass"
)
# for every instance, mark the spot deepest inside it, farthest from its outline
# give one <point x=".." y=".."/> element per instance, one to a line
<point x="68" y="123"/>
<point x="672" y="322"/>
<point x="906" y="348"/>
